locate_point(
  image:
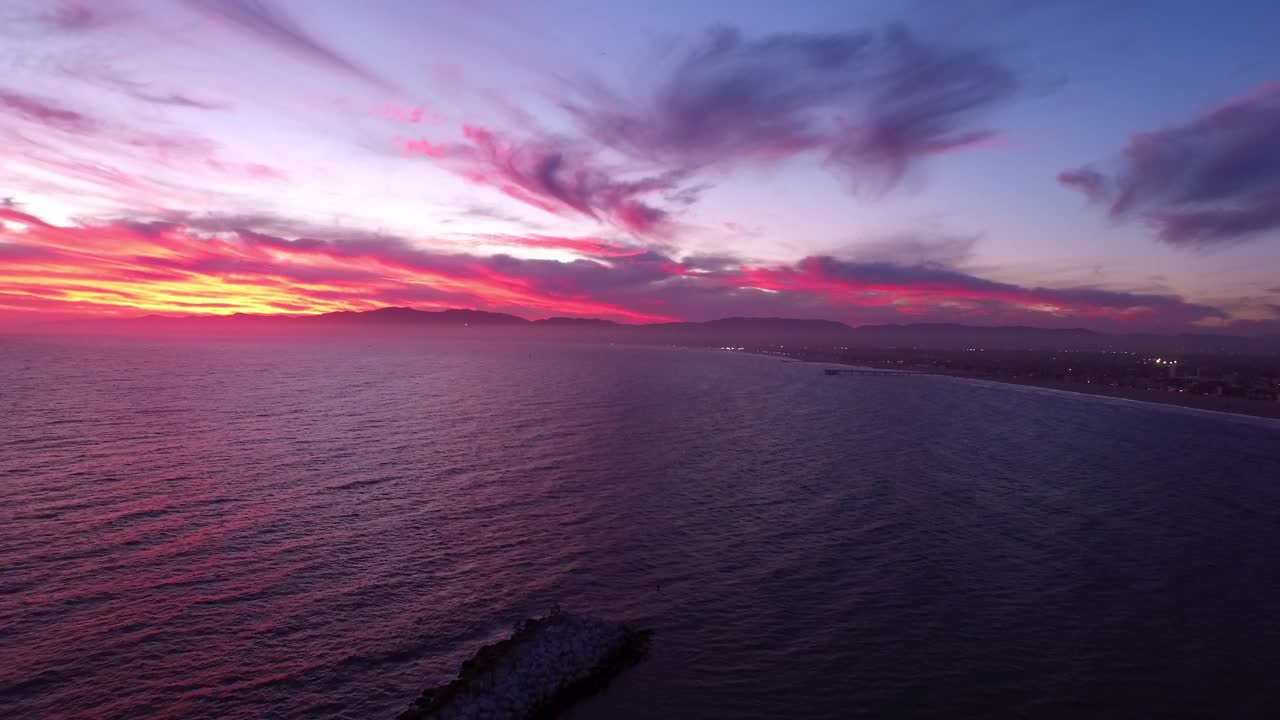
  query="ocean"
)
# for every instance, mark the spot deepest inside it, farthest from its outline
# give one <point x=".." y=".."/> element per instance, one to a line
<point x="321" y="529"/>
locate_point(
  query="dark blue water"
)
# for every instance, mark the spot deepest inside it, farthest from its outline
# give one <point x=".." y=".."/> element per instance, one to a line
<point x="241" y="529"/>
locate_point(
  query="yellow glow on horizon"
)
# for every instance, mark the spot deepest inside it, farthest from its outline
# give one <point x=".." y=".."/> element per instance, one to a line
<point x="115" y="269"/>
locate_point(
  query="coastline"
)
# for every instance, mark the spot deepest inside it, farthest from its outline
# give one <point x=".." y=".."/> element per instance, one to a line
<point x="1225" y="405"/>
<point x="1243" y="407"/>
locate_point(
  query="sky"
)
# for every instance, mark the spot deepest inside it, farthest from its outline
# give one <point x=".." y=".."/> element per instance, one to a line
<point x="1061" y="163"/>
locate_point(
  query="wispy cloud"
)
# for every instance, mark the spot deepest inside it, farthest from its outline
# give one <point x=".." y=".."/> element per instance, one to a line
<point x="175" y="99"/>
<point x="45" y="113"/>
<point x="262" y="20"/>
<point x="147" y="266"/>
<point x="139" y="91"/>
<point x="872" y="103"/>
<point x="1092" y="183"/>
<point x="1212" y="181"/>
<point x="557" y="176"/>
<point x="912" y="289"/>
<point x="132" y="267"/>
<point x="53" y="147"/>
<point x="923" y="249"/>
<point x="922" y="103"/>
<point x="591" y="247"/>
<point x="63" y="16"/>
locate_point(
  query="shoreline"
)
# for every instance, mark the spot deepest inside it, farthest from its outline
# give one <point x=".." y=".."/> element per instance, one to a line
<point x="1239" y="407"/>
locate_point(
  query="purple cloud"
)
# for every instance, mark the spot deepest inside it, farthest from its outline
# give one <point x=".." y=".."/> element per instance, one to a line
<point x="174" y="99"/>
<point x="143" y="93"/>
<point x="873" y="103"/>
<point x="558" y="177"/>
<point x="76" y="17"/>
<point x="352" y="270"/>
<point x="1212" y="181"/>
<point x="110" y="79"/>
<point x="63" y="16"/>
<point x="259" y="18"/>
<point x="916" y="249"/>
<point x="913" y="289"/>
<point x="1250" y="216"/>
<point x="41" y="112"/>
<point x="921" y="103"/>
<point x="1088" y="181"/>
<point x="729" y="98"/>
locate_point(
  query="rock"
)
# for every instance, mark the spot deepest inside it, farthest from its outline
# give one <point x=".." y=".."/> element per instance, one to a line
<point x="547" y="664"/>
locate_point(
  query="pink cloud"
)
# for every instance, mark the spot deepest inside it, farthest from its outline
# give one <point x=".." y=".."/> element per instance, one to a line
<point x="41" y="112"/>
<point x="143" y="267"/>
<point x="554" y="176"/>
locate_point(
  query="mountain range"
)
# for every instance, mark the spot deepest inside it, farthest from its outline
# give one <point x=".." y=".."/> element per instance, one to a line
<point x="733" y="331"/>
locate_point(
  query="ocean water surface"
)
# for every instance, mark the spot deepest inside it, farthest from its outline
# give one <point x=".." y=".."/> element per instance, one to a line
<point x="320" y="529"/>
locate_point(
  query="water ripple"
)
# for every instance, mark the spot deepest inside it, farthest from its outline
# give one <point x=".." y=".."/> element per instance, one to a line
<point x="241" y="529"/>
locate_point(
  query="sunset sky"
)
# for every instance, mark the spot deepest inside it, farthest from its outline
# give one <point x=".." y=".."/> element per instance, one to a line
<point x="1113" y="165"/>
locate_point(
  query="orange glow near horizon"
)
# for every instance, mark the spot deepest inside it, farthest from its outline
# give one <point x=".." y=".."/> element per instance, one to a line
<point x="131" y="268"/>
<point x="118" y="270"/>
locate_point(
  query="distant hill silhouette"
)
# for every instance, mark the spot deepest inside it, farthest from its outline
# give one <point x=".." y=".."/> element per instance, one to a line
<point x="575" y="322"/>
<point x="759" y="323"/>
<point x="732" y="331"/>
<point x="1002" y="336"/>
<point x="409" y="316"/>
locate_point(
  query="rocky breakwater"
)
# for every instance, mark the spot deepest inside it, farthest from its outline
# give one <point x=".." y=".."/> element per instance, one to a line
<point x="546" y="665"/>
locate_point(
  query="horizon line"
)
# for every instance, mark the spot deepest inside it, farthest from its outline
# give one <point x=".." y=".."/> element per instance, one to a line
<point x="209" y="316"/>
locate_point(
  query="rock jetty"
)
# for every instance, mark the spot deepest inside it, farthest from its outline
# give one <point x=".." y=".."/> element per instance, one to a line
<point x="546" y="665"/>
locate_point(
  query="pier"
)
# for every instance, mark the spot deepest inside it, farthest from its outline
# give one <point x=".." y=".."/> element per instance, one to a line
<point x="870" y="371"/>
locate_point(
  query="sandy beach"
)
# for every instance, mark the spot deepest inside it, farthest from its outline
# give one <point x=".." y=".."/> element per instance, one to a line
<point x="1237" y="406"/>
